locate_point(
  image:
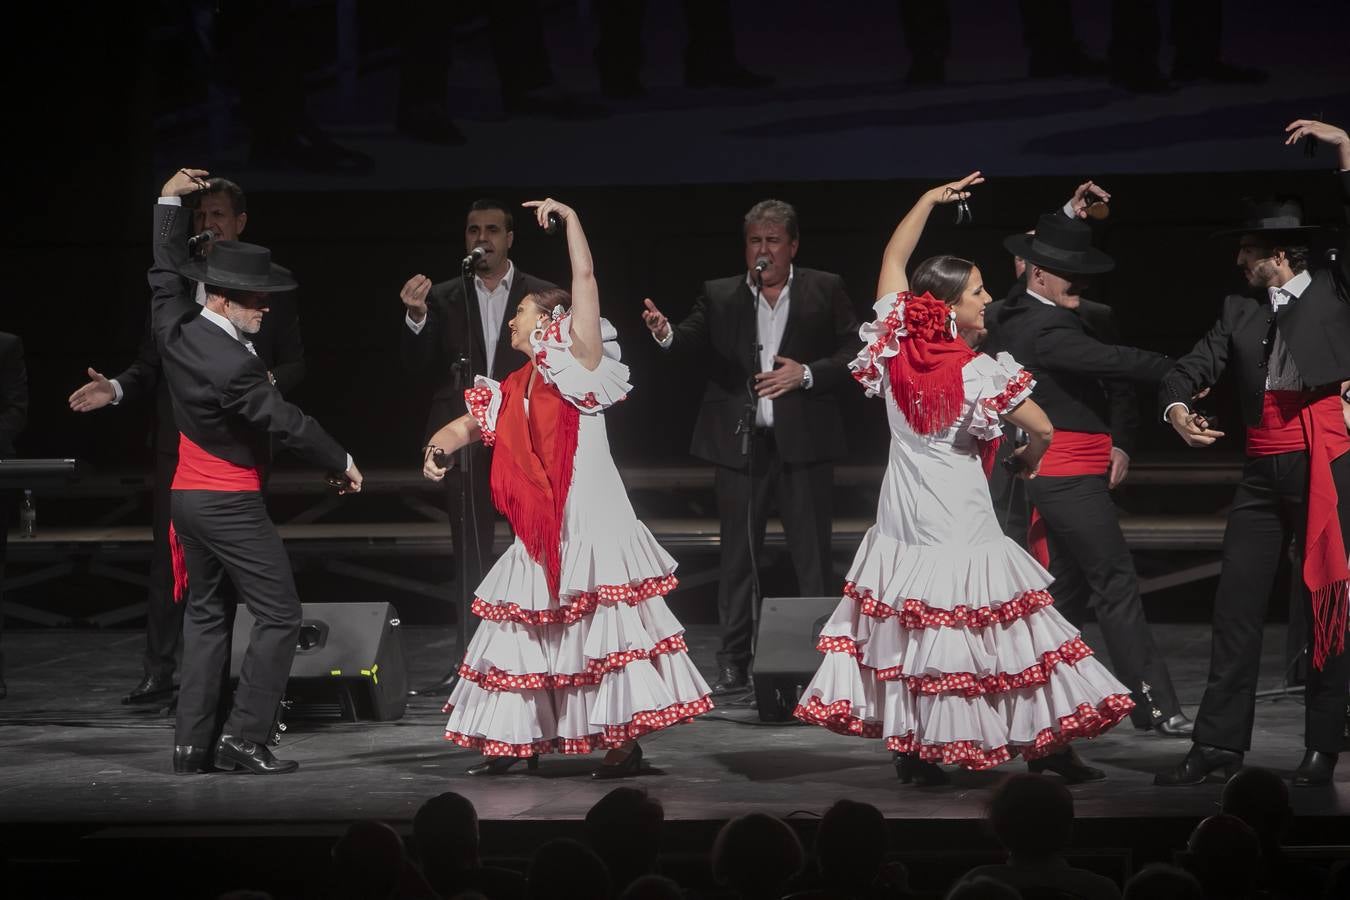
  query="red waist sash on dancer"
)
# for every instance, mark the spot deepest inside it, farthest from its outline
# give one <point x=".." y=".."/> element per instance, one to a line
<point x="199" y="470"/>
<point x="1297" y="421"/>
<point x="1071" y="453"/>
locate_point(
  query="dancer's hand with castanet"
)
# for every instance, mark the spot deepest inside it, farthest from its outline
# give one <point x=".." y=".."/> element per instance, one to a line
<point x="445" y="443"/>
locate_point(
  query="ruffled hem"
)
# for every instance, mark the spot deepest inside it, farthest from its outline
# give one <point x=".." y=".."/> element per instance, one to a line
<point x="484" y="402"/>
<point x="967" y="684"/>
<point x="579" y="605"/>
<point x="596" y="669"/>
<point x="915" y="614"/>
<point x="1086" y="722"/>
<point x="943" y="577"/>
<point x="589" y="390"/>
<point x="610" y="737"/>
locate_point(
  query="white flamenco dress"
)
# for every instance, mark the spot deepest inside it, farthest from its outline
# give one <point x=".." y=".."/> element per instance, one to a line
<point x="605" y="660"/>
<point x="946" y="643"/>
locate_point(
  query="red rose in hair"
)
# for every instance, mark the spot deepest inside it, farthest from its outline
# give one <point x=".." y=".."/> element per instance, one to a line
<point x="926" y="318"/>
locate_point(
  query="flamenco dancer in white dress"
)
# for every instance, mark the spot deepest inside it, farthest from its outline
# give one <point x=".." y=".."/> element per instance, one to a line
<point x="946" y="643"/>
<point x="577" y="649"/>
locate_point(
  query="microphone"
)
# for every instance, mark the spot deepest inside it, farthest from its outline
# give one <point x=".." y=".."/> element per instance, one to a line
<point x="761" y="264"/>
<point x="476" y="254"/>
<point x="198" y="240"/>
<point x="554" y="223"/>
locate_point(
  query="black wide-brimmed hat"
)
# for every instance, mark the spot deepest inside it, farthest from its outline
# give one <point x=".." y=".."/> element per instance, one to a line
<point x="1060" y="244"/>
<point x="239" y="266"/>
<point x="1270" y="214"/>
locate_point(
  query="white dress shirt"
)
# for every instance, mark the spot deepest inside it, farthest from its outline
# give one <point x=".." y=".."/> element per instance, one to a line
<point x="491" y="311"/>
<point x="772" y="322"/>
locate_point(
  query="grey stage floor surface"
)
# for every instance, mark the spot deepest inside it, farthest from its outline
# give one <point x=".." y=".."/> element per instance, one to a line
<point x="71" y="753"/>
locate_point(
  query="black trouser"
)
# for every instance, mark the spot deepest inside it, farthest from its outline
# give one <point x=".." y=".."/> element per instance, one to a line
<point x="228" y="536"/>
<point x="1269" y="509"/>
<point x="163" y="617"/>
<point x="1092" y="566"/>
<point x="804" y="494"/>
<point x="472" y="562"/>
<point x="1136" y="33"/>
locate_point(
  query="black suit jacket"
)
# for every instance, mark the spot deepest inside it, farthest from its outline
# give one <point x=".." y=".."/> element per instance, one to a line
<point x="222" y="398"/>
<point x="278" y="345"/>
<point x="13" y="393"/>
<point x="1099" y="321"/>
<point x="1315" y="328"/>
<point x="430" y="354"/>
<point x="821" y="332"/>
<point x="1072" y="366"/>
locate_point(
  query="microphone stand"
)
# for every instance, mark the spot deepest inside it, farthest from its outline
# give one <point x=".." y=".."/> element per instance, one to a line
<point x="462" y="376"/>
<point x="745" y="428"/>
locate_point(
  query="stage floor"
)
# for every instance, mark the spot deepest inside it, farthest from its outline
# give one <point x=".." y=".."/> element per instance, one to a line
<point x="71" y="754"/>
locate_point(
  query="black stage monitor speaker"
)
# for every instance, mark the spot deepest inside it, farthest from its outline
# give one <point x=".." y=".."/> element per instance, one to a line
<point x="348" y="661"/>
<point x="785" y="651"/>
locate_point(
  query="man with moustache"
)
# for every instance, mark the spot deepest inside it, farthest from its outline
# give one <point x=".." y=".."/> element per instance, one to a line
<point x="222" y="209"/>
<point x="1074" y="522"/>
<point x="439" y="327"/>
<point x="806" y="328"/>
<point x="1288" y="350"/>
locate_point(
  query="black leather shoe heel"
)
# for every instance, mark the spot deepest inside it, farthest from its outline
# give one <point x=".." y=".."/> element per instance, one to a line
<point x="1201" y="762"/>
<point x="1316" y="769"/>
<point x="190" y="760"/>
<point x="1067" y="765"/>
<point x="912" y="770"/>
<point x="631" y="765"/>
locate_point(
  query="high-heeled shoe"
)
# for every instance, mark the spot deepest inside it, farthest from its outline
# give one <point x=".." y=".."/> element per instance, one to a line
<point x="631" y="765"/>
<point x="498" y="765"/>
<point x="1068" y="765"/>
<point x="912" y="770"/>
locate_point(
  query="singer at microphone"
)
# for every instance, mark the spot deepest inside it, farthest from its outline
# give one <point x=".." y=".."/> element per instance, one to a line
<point x="200" y="240"/>
<point x="474" y="258"/>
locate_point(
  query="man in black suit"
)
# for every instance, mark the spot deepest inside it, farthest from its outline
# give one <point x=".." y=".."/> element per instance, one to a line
<point x="775" y="405"/>
<point x="1288" y="350"/>
<point x="13" y="416"/>
<point x="1087" y="555"/>
<point x="222" y="209"/>
<point x="228" y="413"/>
<point x="439" y="327"/>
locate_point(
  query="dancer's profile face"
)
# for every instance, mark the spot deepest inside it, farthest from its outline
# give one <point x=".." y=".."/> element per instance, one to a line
<point x="969" y="307"/>
<point x="528" y="317"/>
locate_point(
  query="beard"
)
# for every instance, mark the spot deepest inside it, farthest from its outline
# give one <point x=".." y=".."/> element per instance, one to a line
<point x="244" y="321"/>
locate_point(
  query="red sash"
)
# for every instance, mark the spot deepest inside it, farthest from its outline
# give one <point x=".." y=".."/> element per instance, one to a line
<point x="199" y="470"/>
<point x="532" y="466"/>
<point x="1293" y="421"/>
<point x="1071" y="453"/>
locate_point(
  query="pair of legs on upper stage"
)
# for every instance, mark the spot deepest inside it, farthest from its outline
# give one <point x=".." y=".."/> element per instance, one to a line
<point x="946" y="642"/>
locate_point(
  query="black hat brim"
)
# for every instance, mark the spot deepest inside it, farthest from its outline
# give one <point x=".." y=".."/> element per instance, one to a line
<point x="1092" y="261"/>
<point x="279" y="279"/>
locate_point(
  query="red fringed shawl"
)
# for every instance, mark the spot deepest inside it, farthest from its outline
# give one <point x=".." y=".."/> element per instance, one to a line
<point x="925" y="375"/>
<point x="532" y="466"/>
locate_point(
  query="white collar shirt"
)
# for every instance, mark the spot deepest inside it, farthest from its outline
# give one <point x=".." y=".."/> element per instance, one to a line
<point x="492" y="310"/>
<point x="772" y="322"/>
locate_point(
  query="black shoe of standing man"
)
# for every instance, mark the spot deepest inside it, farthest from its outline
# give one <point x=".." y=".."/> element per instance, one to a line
<point x="1316" y="769"/>
<point x="241" y="753"/>
<point x="1200" y="763"/>
<point x="151" y="689"/>
<point x="731" y="679"/>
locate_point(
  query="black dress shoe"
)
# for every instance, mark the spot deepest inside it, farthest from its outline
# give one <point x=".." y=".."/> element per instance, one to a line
<point x="912" y="770"/>
<point x="1316" y="769"/>
<point x="1177" y="726"/>
<point x="1219" y="72"/>
<point x="631" y="765"/>
<point x="1201" y="761"/>
<point x="152" y="689"/>
<point x="1068" y="765"/>
<point x="731" y="679"/>
<point x="241" y="753"/>
<point x="498" y="765"/>
<point x="190" y="760"/>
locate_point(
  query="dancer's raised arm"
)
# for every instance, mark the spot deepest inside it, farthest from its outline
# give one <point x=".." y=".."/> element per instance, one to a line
<point x="895" y="259"/>
<point x="586" y="342"/>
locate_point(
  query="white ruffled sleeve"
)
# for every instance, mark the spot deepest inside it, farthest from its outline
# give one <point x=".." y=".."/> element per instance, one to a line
<point x="587" y="390"/>
<point x="881" y="341"/>
<point x="999" y="385"/>
<point x="484" y="401"/>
